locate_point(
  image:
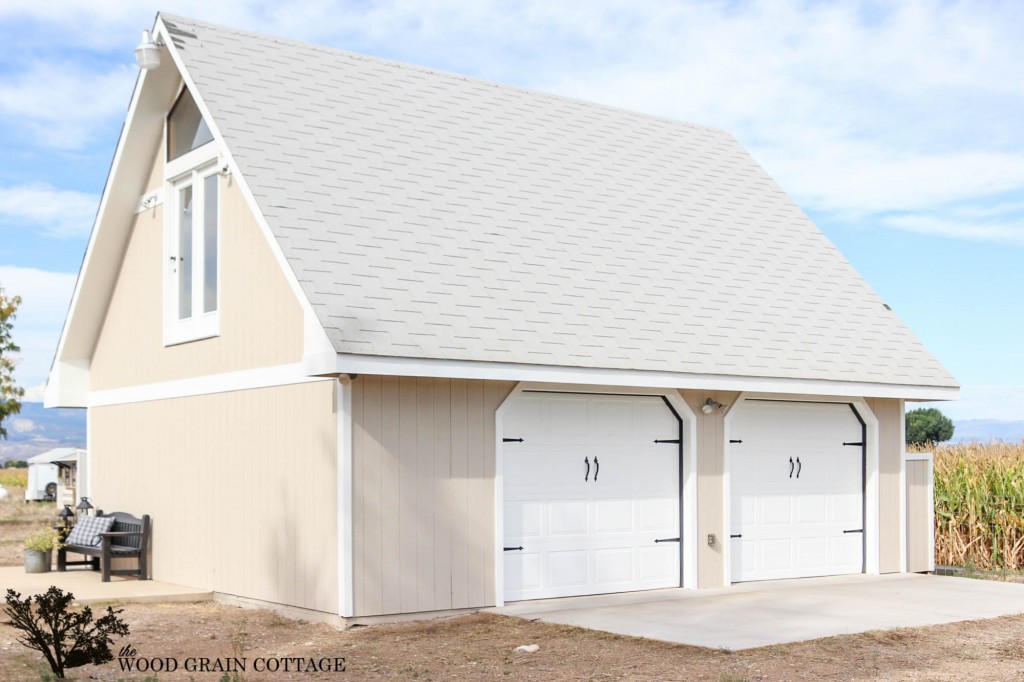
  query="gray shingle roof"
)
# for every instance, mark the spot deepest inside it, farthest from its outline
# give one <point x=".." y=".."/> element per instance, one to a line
<point x="431" y="215"/>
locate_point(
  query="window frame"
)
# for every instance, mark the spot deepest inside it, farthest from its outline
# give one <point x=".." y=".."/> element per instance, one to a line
<point x="191" y="169"/>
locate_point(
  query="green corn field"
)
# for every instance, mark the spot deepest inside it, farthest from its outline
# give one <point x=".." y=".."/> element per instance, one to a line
<point x="979" y="505"/>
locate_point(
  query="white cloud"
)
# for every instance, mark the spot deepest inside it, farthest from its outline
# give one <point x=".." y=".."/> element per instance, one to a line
<point x="859" y="109"/>
<point x="20" y="425"/>
<point x="1000" y="403"/>
<point x="40" y="318"/>
<point x="35" y="394"/>
<point x="62" y="104"/>
<point x="57" y="213"/>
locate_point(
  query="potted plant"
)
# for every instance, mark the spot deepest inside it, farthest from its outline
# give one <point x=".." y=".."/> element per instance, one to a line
<point x="39" y="550"/>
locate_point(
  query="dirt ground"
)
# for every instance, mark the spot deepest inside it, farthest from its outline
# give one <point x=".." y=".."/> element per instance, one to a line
<point x="482" y="647"/>
<point x="19" y="520"/>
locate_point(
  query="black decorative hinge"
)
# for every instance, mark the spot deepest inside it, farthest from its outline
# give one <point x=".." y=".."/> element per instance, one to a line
<point x="735" y="441"/>
<point x="676" y="440"/>
<point x="511" y="440"/>
<point x="667" y="540"/>
<point x="857" y="444"/>
<point x="512" y="549"/>
<point x="738" y="535"/>
<point x="857" y="530"/>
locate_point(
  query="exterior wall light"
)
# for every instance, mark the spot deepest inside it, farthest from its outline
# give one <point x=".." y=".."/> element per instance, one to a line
<point x="147" y="54"/>
<point x="710" y="406"/>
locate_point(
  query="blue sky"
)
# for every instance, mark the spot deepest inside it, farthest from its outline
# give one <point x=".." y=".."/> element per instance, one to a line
<point x="899" y="130"/>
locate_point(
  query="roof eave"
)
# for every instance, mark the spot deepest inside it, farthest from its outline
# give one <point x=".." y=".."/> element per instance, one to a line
<point x="346" y="363"/>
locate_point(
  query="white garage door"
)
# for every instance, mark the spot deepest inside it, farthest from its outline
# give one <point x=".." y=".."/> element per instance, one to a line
<point x="588" y="495"/>
<point x="797" y="487"/>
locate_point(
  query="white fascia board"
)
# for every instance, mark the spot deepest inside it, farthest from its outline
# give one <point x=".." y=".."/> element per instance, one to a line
<point x="243" y="380"/>
<point x="64" y="386"/>
<point x="467" y="369"/>
<point x="315" y="337"/>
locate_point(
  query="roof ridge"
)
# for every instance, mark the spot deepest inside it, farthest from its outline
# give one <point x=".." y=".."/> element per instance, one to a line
<point x="394" y="63"/>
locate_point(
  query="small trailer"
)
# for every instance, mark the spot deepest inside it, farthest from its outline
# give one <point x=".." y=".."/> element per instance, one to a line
<point x="57" y="474"/>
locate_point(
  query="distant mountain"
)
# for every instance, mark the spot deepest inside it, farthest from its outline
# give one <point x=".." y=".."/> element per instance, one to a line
<point x="988" y="429"/>
<point x="36" y="429"/>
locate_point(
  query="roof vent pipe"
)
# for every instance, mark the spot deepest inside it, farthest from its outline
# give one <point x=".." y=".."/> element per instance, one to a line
<point x="147" y="54"/>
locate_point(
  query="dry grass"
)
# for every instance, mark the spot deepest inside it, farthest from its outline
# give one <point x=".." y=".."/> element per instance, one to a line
<point x="14" y="478"/>
<point x="979" y="505"/>
<point x="18" y="520"/>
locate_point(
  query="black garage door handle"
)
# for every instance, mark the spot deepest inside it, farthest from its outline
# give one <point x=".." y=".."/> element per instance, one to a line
<point x="791" y="467"/>
<point x="586" y="477"/>
<point x="597" y="469"/>
<point x="799" y="467"/>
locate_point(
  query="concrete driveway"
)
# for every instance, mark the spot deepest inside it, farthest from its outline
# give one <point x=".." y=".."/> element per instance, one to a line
<point x="750" y="615"/>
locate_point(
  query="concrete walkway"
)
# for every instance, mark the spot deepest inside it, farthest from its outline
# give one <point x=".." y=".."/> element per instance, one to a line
<point x="750" y="615"/>
<point x="88" y="588"/>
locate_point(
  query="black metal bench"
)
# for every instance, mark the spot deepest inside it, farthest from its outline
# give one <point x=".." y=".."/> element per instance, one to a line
<point x="128" y="538"/>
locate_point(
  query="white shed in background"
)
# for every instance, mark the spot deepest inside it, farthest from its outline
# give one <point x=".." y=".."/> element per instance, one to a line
<point x="58" y="474"/>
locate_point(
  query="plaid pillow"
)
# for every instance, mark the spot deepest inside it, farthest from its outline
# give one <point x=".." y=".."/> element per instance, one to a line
<point x="87" y="531"/>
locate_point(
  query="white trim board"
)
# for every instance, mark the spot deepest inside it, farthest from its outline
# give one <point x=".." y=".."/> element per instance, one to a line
<point x="503" y="371"/>
<point x="346" y="561"/>
<point x="687" y="524"/>
<point x="263" y="377"/>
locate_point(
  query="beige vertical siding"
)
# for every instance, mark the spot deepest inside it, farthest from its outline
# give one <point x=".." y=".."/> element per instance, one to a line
<point x="423" y="473"/>
<point x="261" y="321"/>
<point x="710" y="501"/>
<point x="247" y="480"/>
<point x="891" y="447"/>
<point x="920" y="524"/>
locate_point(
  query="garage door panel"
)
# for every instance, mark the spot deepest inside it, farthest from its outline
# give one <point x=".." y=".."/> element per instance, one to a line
<point x="812" y="509"/>
<point x="589" y="534"/>
<point x="523" y="519"/>
<point x="658" y="563"/>
<point x="656" y="516"/>
<point x="567" y="568"/>
<point x="846" y="551"/>
<point x="613" y="516"/>
<point x="614" y="565"/>
<point x="567" y="518"/>
<point x="812" y="553"/>
<point x="776" y="510"/>
<point x="806" y="486"/>
<point x="847" y="510"/>
<point x="776" y="554"/>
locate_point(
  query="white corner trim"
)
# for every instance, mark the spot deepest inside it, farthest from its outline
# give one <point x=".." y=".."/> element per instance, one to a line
<point x="346" y="363"/>
<point x="687" y="524"/>
<point x="346" y="578"/>
<point x="903" y="488"/>
<point x="264" y="377"/>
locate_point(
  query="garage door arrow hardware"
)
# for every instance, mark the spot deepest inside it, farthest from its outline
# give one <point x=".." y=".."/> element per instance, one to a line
<point x="667" y="540"/>
<point x="674" y="440"/>
<point x="738" y="535"/>
<point x="858" y="530"/>
<point x="511" y="440"/>
<point x="861" y="444"/>
<point x="735" y="441"/>
<point x="512" y="549"/>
